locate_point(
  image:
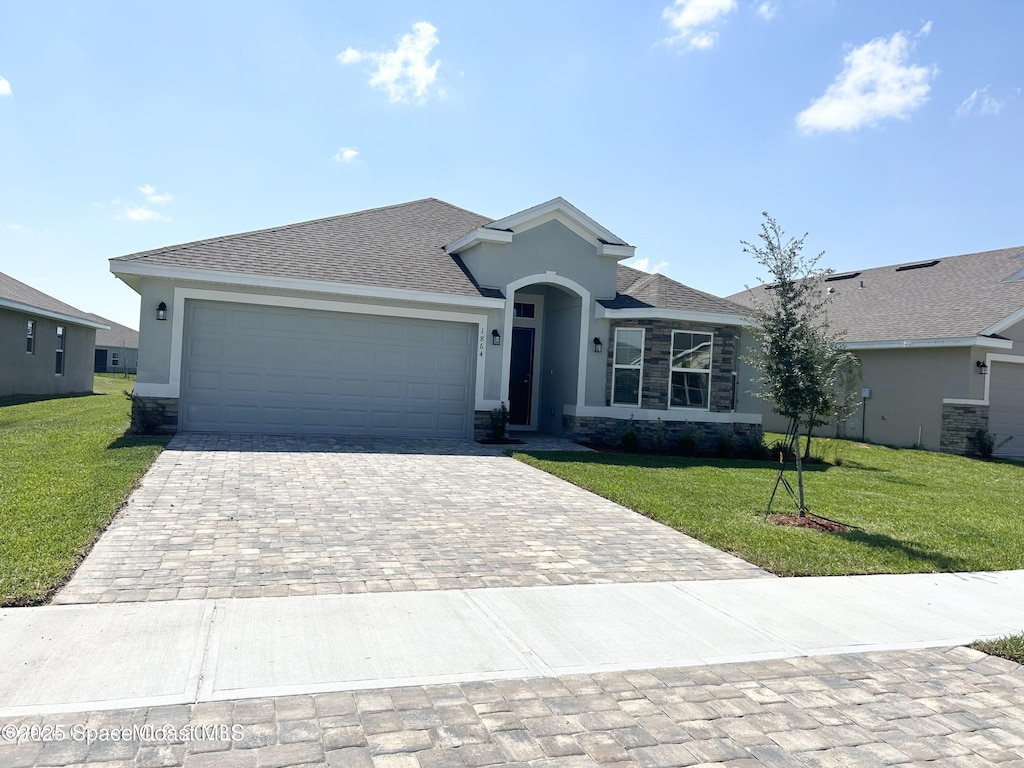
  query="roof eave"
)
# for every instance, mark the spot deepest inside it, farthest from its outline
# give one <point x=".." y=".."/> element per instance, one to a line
<point x="128" y="270"/>
<point x="31" y="309"/>
<point x="664" y="313"/>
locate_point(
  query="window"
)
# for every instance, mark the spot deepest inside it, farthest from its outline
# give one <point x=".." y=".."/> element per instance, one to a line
<point x="30" y="337"/>
<point x="113" y="359"/>
<point x="522" y="309"/>
<point x="627" y="371"/>
<point x="60" y="351"/>
<point x="690" y="377"/>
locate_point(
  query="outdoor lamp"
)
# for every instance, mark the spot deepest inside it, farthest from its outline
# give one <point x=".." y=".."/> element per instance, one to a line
<point x="161" y="311"/>
<point x="598" y="346"/>
<point x="982" y="367"/>
<point x="495" y="337"/>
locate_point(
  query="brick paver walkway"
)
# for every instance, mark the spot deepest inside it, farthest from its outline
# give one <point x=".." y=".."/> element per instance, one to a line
<point x="248" y="516"/>
<point x="951" y="707"/>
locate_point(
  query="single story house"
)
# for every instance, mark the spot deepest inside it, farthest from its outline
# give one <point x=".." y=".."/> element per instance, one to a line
<point x="941" y="343"/>
<point x="117" y="349"/>
<point x="46" y="346"/>
<point x="420" y="319"/>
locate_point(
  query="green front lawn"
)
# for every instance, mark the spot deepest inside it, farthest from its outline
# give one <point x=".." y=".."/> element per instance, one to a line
<point x="914" y="511"/>
<point x="65" y="468"/>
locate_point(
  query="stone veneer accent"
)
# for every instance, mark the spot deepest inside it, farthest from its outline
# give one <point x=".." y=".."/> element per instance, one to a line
<point x="657" y="362"/>
<point x="960" y="422"/>
<point x="602" y="430"/>
<point x="153" y="404"/>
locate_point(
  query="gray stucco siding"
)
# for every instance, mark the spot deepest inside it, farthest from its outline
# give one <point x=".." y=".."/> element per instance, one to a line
<point x="549" y="247"/>
<point x="34" y="374"/>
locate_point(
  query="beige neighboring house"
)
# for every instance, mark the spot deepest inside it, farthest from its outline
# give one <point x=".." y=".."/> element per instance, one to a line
<point x="117" y="349"/>
<point x="46" y="346"/>
<point x="941" y="343"/>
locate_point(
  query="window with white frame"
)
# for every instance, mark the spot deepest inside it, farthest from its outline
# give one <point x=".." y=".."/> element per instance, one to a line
<point x="690" y="376"/>
<point x="628" y="366"/>
<point x="113" y="359"/>
<point x="59" y="370"/>
<point x="30" y="337"/>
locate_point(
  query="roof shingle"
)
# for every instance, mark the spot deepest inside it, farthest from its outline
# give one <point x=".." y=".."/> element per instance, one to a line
<point x="15" y="290"/>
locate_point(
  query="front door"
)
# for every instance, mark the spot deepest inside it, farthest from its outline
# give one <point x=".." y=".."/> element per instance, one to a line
<point x="101" y="361"/>
<point x="520" y="379"/>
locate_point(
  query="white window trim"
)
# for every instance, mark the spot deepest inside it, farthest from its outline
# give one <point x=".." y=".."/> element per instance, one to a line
<point x="61" y="351"/>
<point x="672" y="369"/>
<point x="616" y="366"/>
<point x="30" y="333"/>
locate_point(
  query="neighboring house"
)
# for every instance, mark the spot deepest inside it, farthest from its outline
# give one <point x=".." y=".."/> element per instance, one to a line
<point x="46" y="346"/>
<point x="419" y="319"/>
<point x="941" y="343"/>
<point x="117" y="349"/>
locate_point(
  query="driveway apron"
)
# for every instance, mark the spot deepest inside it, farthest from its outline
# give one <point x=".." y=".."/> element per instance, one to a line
<point x="263" y="516"/>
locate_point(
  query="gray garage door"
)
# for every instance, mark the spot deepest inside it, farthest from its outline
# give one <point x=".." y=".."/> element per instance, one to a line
<point x="248" y="368"/>
<point x="1006" y="407"/>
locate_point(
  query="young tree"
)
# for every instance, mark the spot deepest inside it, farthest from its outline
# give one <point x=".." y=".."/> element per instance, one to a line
<point x="798" y="357"/>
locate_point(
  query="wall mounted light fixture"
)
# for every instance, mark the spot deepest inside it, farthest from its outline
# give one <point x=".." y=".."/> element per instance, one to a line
<point x="495" y="337"/>
<point x="161" y="311"/>
<point x="598" y="346"/>
<point x="982" y="367"/>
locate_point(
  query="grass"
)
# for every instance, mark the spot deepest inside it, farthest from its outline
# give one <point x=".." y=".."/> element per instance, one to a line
<point x="914" y="511"/>
<point x="65" y="468"/>
<point x="1010" y="647"/>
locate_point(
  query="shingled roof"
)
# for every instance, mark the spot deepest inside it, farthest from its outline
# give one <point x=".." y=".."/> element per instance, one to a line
<point x="398" y="246"/>
<point x="947" y="298"/>
<point x="117" y="335"/>
<point x="15" y="294"/>
<point x="639" y="290"/>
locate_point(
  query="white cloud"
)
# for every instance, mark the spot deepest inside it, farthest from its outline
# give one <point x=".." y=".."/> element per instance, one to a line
<point x="877" y="83"/>
<point x="5" y="87"/>
<point x="690" y="19"/>
<point x="925" y="29"/>
<point x="406" y="72"/>
<point x="151" y="195"/>
<point x="767" y="10"/>
<point x="140" y="213"/>
<point x="346" y="154"/>
<point x="644" y="265"/>
<point x="989" y="105"/>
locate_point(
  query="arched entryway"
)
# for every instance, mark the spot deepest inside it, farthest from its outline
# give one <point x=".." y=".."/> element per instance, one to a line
<point x="546" y="322"/>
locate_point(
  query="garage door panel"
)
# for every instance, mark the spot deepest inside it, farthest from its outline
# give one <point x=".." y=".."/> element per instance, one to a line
<point x="288" y="370"/>
<point x="1006" y="409"/>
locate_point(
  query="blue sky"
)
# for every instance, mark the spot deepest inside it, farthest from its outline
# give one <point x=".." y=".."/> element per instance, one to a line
<point x="890" y="131"/>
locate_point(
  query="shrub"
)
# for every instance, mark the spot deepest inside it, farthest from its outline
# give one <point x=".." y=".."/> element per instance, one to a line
<point x="499" y="422"/>
<point x="726" y="443"/>
<point x="757" y="450"/>
<point x="984" y="443"/>
<point x="146" y="419"/>
<point x="629" y="438"/>
<point x="688" y="442"/>
<point x="656" y="437"/>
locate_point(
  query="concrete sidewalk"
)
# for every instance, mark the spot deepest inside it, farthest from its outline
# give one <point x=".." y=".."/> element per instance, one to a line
<point x="80" y="658"/>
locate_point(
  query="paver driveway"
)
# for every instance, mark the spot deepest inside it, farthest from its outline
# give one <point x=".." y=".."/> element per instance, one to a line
<point x="250" y="515"/>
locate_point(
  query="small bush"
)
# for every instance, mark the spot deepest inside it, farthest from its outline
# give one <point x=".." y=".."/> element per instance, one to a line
<point x="656" y="437"/>
<point x="499" y="422"/>
<point x="1010" y="647"/>
<point x="726" y="443"/>
<point x="757" y="450"/>
<point x="688" y="442"/>
<point x="984" y="443"/>
<point x="145" y="419"/>
<point x="629" y="438"/>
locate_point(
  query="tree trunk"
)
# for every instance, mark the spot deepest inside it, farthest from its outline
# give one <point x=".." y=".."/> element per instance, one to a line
<point x="800" y="476"/>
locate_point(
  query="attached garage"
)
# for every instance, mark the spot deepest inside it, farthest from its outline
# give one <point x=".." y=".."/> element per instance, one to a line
<point x="255" y="368"/>
<point x="1006" y="407"/>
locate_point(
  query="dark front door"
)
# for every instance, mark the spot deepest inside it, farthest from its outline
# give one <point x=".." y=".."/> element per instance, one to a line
<point x="101" y="361"/>
<point x="520" y="378"/>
